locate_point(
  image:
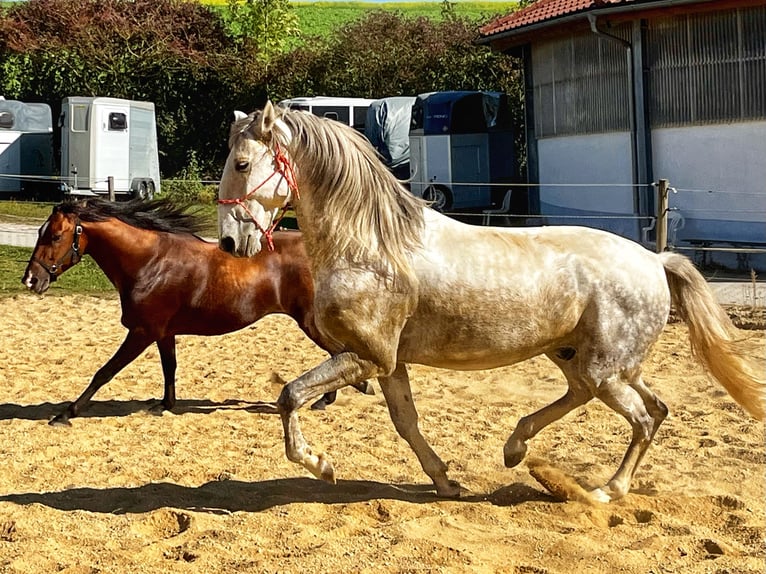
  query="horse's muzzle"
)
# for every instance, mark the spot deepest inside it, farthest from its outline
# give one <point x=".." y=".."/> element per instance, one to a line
<point x="36" y="284"/>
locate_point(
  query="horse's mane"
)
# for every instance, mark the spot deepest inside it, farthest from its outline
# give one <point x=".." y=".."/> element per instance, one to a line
<point x="361" y="210"/>
<point x="155" y="215"/>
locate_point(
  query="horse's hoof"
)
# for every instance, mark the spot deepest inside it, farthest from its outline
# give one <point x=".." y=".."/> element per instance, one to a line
<point x="60" y="421"/>
<point x="320" y="405"/>
<point x="157" y="409"/>
<point x="452" y="490"/>
<point x="599" y="495"/>
<point x="325" y="470"/>
<point x="513" y="458"/>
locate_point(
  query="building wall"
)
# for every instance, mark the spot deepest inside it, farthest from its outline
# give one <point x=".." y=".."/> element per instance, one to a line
<point x="705" y="95"/>
<point x="720" y="174"/>
<point x="589" y="178"/>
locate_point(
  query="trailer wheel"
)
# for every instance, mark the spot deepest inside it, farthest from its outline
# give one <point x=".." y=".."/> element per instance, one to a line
<point x="439" y="196"/>
<point x="150" y="189"/>
<point x="143" y="191"/>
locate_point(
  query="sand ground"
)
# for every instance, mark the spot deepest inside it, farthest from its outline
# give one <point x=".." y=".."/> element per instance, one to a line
<point x="207" y="489"/>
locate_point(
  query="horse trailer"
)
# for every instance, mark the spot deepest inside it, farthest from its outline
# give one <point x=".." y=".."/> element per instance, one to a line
<point x="26" y="147"/>
<point x="103" y="138"/>
<point x="461" y="148"/>
<point x="350" y="111"/>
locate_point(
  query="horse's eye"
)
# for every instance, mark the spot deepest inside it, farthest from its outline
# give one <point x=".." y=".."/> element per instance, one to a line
<point x="56" y="237"/>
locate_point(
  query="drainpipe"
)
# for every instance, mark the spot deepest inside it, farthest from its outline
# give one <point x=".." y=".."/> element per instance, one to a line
<point x="638" y="130"/>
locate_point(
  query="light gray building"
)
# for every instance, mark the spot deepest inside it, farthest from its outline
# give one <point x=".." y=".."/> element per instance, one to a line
<point x="621" y="93"/>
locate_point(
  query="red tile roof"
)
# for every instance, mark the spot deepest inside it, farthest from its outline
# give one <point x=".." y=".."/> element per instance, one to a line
<point x="543" y="10"/>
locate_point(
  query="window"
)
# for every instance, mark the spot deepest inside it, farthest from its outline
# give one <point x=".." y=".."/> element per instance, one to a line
<point x="339" y="113"/>
<point x="118" y="121"/>
<point x="581" y="85"/>
<point x="80" y="117"/>
<point x="708" y="68"/>
<point x="360" y="117"/>
<point x="6" y="120"/>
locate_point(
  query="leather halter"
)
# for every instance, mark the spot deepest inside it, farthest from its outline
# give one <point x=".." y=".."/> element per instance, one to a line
<point x="282" y="167"/>
<point x="73" y="254"/>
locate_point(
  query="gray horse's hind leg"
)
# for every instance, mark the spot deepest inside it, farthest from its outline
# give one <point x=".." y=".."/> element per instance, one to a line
<point x="645" y="413"/>
<point x="516" y="448"/>
<point x="396" y="389"/>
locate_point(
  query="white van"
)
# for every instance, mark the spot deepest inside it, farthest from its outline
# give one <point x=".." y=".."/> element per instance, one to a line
<point x="350" y="111"/>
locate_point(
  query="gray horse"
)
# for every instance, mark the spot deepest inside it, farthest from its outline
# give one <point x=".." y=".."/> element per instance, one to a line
<point x="397" y="283"/>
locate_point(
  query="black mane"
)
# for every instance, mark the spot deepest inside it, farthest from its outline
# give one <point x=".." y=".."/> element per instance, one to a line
<point x="154" y="215"/>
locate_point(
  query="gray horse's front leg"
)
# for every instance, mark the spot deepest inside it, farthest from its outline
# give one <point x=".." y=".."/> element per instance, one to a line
<point x="396" y="389"/>
<point x="335" y="373"/>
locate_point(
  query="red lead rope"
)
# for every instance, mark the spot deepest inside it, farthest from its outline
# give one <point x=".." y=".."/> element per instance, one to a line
<point x="284" y="168"/>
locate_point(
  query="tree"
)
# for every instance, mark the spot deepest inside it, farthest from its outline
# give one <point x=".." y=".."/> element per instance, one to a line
<point x="266" y="25"/>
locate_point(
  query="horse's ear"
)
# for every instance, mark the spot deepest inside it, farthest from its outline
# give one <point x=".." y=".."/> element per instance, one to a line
<point x="267" y="118"/>
<point x="238" y="115"/>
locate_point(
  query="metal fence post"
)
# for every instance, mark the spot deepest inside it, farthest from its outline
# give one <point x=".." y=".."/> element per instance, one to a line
<point x="110" y="187"/>
<point x="662" y="215"/>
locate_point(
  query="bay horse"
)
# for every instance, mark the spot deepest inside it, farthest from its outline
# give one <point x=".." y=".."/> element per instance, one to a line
<point x="397" y="282"/>
<point x="170" y="281"/>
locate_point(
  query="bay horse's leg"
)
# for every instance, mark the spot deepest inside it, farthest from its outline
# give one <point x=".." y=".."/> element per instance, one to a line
<point x="133" y="345"/>
<point x="645" y="413"/>
<point x="329" y="398"/>
<point x="396" y="389"/>
<point x="167" y="348"/>
<point x="335" y="373"/>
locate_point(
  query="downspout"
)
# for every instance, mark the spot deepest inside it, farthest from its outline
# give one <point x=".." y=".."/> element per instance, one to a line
<point x="639" y="159"/>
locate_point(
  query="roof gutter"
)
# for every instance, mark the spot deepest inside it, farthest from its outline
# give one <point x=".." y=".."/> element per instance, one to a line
<point x="639" y="156"/>
<point x="588" y="13"/>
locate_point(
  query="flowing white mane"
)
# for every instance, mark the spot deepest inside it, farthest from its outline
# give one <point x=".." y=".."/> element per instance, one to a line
<point x="381" y="222"/>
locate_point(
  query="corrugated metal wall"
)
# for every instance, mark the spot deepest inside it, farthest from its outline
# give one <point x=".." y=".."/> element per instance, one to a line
<point x="581" y="85"/>
<point x="707" y="68"/>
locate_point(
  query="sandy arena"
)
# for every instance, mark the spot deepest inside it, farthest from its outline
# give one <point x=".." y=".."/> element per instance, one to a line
<point x="208" y="489"/>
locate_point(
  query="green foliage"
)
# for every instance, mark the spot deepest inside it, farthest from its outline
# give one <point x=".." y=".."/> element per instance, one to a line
<point x="266" y="24"/>
<point x="198" y="63"/>
<point x="388" y="54"/>
<point x="188" y="185"/>
<point x="165" y="51"/>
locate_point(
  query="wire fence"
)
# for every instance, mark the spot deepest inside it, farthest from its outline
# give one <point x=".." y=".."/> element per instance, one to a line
<point x="685" y="204"/>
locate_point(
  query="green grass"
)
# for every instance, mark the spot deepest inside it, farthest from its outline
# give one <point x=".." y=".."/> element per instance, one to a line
<point x="85" y="277"/>
<point x="24" y="212"/>
<point x="321" y="18"/>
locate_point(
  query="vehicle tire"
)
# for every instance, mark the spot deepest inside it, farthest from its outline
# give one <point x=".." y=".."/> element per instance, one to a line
<point x="142" y="191"/>
<point x="439" y="196"/>
<point x="150" y="190"/>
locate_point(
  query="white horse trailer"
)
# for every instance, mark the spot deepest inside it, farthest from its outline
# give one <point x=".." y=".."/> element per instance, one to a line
<point x="103" y="138"/>
<point x="26" y="148"/>
<point x="350" y="111"/>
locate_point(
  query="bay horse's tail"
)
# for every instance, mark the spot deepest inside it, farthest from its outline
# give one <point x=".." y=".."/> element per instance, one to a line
<point x="713" y="334"/>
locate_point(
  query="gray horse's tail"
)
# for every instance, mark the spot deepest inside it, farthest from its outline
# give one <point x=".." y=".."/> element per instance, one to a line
<point x="713" y="335"/>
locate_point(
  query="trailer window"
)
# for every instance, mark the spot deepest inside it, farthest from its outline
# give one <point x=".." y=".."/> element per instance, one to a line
<point x="118" y="121"/>
<point x="360" y="117"/>
<point x="339" y="113"/>
<point x="79" y="118"/>
<point x="6" y="120"/>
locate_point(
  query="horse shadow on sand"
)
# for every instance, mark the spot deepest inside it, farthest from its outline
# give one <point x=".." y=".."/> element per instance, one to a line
<point x="227" y="496"/>
<point x="121" y="408"/>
